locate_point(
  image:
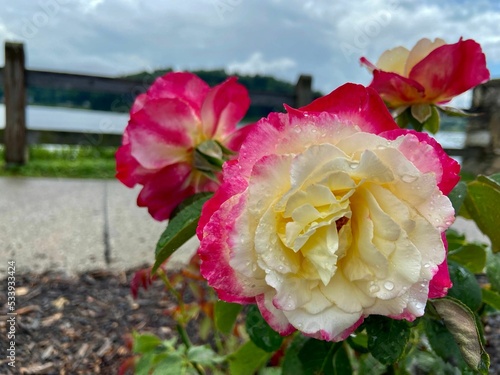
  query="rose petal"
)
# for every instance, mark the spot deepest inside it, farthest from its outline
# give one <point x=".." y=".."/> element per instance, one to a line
<point x="461" y="66"/>
<point x="357" y="105"/>
<point x="224" y="106"/>
<point x="183" y="86"/>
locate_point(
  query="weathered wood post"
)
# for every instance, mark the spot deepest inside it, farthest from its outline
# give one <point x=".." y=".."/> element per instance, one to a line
<point x="483" y="131"/>
<point x="15" y="104"/>
<point x="303" y="91"/>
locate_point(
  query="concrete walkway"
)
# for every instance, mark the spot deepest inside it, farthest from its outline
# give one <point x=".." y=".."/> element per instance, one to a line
<point x="76" y="225"/>
<point x="73" y="225"/>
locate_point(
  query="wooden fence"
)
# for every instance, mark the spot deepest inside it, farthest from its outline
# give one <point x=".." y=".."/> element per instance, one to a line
<point x="16" y="79"/>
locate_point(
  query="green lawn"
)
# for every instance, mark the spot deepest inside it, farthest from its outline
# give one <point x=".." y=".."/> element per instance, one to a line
<point x="65" y="161"/>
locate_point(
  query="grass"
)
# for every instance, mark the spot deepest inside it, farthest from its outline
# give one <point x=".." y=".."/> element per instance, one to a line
<point x="64" y="161"/>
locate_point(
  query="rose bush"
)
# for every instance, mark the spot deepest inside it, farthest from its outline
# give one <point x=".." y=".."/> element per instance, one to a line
<point x="331" y="213"/>
<point x="176" y="139"/>
<point x="431" y="72"/>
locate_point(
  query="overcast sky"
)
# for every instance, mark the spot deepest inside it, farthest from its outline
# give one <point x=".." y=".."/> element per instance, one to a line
<point x="284" y="38"/>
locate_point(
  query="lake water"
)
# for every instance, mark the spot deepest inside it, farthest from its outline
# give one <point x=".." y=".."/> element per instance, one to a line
<point x="82" y="120"/>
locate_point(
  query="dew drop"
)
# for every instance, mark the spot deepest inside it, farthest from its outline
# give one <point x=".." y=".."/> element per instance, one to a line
<point x="427" y="265"/>
<point x="408" y="178"/>
<point x="267" y="271"/>
<point x="353" y="164"/>
<point x="389" y="285"/>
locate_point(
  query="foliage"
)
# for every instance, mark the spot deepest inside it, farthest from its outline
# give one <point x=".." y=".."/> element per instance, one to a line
<point x="65" y="161"/>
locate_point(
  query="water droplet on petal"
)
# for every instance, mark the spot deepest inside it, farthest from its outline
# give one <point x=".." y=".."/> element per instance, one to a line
<point x="389" y="285"/>
<point x="427" y="265"/>
<point x="409" y="178"/>
<point x="353" y="164"/>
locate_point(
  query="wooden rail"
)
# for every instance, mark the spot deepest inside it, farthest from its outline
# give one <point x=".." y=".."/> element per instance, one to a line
<point x="15" y="79"/>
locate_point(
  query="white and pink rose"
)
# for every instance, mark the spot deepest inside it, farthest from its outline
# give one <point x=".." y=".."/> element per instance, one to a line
<point x="331" y="213"/>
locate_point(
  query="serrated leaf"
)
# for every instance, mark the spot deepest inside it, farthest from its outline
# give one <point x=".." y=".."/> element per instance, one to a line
<point x="144" y="365"/>
<point x="432" y="123"/>
<point x="145" y="343"/>
<point x="471" y="256"/>
<point x="421" y="112"/>
<point x="491" y="298"/>
<point x="465" y="286"/>
<point x="171" y="365"/>
<point x="462" y="324"/>
<point x="387" y="338"/>
<point x="248" y="359"/>
<point x="341" y="362"/>
<point x="260" y="332"/>
<point x="493" y="271"/>
<point x="203" y="355"/>
<point x="457" y="195"/>
<point x="180" y="228"/>
<point x="225" y="315"/>
<point x="483" y="198"/>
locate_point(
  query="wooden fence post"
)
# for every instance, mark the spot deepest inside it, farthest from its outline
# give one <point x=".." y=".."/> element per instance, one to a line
<point x="303" y="91"/>
<point x="15" y="105"/>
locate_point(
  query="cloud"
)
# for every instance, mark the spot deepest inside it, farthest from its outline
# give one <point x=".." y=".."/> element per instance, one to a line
<point x="322" y="38"/>
<point x="256" y="64"/>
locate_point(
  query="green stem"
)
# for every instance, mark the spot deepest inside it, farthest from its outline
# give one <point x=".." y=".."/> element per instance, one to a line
<point x="171" y="289"/>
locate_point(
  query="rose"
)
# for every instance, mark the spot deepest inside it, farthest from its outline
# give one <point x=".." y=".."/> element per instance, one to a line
<point x="177" y="134"/>
<point x="432" y="72"/>
<point x="331" y="213"/>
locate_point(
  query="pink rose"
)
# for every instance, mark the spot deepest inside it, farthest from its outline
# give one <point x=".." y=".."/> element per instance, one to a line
<point x="331" y="213"/>
<point x="432" y="72"/>
<point x="179" y="116"/>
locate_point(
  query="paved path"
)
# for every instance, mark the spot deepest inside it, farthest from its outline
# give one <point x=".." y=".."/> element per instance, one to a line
<point x="76" y="225"/>
<point x="73" y="225"/>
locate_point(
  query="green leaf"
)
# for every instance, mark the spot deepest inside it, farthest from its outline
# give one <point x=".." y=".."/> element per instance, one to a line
<point x="432" y="123"/>
<point x="493" y="271"/>
<point x="471" y="256"/>
<point x="462" y="324"/>
<point x="225" y="315"/>
<point x="247" y="359"/>
<point x="341" y="362"/>
<point x="145" y="343"/>
<point x="144" y="365"/>
<point x="387" y="338"/>
<point x="482" y="200"/>
<point x="457" y="195"/>
<point x="359" y="342"/>
<point x="403" y="119"/>
<point x="443" y="343"/>
<point x="203" y="355"/>
<point x="421" y="112"/>
<point x="171" y="365"/>
<point x="260" y="332"/>
<point x="316" y="356"/>
<point x="291" y="363"/>
<point x="465" y="286"/>
<point x="180" y="228"/>
<point x="492" y="298"/>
